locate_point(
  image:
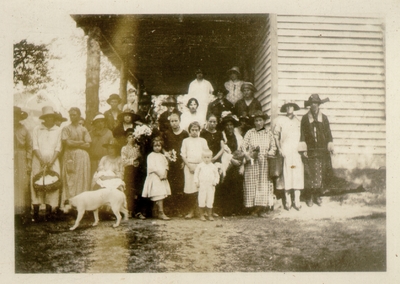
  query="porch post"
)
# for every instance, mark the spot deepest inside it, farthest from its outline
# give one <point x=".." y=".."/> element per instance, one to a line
<point x="92" y="74"/>
<point x="123" y="82"/>
<point x="274" y="66"/>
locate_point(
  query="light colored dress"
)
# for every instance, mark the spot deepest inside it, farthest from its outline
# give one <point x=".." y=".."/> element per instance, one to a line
<point x="288" y="131"/>
<point x="202" y="92"/>
<point x="192" y="149"/>
<point x="155" y="188"/>
<point x="188" y="117"/>
<point x="76" y="163"/>
<point x="234" y="92"/>
<point x="22" y="160"/>
<point x="109" y="166"/>
<point x="258" y="187"/>
<point x="97" y="151"/>
<point x="46" y="141"/>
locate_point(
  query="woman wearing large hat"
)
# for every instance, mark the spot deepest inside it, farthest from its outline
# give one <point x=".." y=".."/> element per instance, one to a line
<point x="248" y="104"/>
<point x="172" y="107"/>
<point x="287" y="133"/>
<point x="316" y="145"/>
<point x="22" y="163"/>
<point x="258" y="143"/>
<point x="111" y="115"/>
<point x="220" y="104"/>
<point x="234" y="85"/>
<point x="46" y="141"/>
<point x="127" y="119"/>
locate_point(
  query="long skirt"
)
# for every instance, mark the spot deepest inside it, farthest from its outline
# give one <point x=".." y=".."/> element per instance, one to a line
<point x="22" y="194"/>
<point x="318" y="171"/>
<point x="258" y="188"/>
<point x="76" y="173"/>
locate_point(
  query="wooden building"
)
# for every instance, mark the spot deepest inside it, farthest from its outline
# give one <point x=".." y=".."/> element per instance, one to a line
<point x="287" y="57"/>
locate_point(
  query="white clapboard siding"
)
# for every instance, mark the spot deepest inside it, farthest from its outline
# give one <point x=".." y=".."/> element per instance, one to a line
<point x="263" y="68"/>
<point x="342" y="58"/>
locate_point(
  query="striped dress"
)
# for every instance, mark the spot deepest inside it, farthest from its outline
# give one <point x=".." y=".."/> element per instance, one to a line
<point x="258" y="187"/>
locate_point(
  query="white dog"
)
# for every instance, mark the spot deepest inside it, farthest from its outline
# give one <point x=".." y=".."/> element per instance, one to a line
<point x="92" y="200"/>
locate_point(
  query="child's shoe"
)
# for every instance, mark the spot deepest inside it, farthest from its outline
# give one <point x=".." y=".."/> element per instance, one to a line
<point x="210" y="214"/>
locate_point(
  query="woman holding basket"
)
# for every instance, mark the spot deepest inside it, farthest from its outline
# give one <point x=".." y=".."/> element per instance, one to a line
<point x="46" y="140"/>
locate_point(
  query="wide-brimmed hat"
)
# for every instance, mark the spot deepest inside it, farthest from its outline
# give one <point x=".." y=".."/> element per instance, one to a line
<point x="227" y="116"/>
<point x="134" y="116"/>
<point x="220" y="90"/>
<point x="244" y="116"/>
<point x="114" y="97"/>
<point x="19" y="114"/>
<point x="48" y="111"/>
<point x="314" y="98"/>
<point x="98" y="117"/>
<point x="285" y="105"/>
<point x="170" y="101"/>
<point x="145" y="100"/>
<point x="60" y="117"/>
<point x="234" y="69"/>
<point x="248" y="85"/>
<point x="259" y="113"/>
<point x="112" y="143"/>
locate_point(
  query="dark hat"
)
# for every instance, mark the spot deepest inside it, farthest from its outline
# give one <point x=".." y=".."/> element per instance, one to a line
<point x="145" y="100"/>
<point x="48" y="111"/>
<point x="248" y="85"/>
<point x="259" y="113"/>
<point x="170" y="101"/>
<point x="244" y="116"/>
<point x="314" y="98"/>
<point x="60" y="117"/>
<point x="234" y="69"/>
<point x="129" y="131"/>
<point x="134" y="116"/>
<point x="112" y="143"/>
<point x="294" y="105"/>
<point x="19" y="114"/>
<point x="114" y="97"/>
<point x="227" y="116"/>
<point x="220" y="90"/>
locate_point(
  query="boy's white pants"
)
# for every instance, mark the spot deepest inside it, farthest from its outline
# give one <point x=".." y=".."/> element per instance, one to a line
<point x="206" y="195"/>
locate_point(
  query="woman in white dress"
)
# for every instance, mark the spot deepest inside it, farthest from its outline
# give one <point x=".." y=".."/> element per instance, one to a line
<point x="192" y="115"/>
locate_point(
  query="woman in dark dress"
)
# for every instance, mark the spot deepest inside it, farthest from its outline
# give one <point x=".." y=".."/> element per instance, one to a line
<point x="213" y="138"/>
<point x="173" y="138"/>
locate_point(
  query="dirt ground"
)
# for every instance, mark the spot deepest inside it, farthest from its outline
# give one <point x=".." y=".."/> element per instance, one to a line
<point x="347" y="233"/>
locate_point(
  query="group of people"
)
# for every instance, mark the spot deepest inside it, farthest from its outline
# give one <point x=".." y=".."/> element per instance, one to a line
<point x="212" y="159"/>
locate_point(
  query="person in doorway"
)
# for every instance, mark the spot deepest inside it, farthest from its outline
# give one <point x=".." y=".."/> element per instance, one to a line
<point x="76" y="162"/>
<point x="22" y="164"/>
<point x="316" y="147"/>
<point x="220" y="104"/>
<point x="287" y="133"/>
<point x="234" y="85"/>
<point x="248" y="104"/>
<point x="201" y="90"/>
<point x="111" y="115"/>
<point x="46" y="141"/>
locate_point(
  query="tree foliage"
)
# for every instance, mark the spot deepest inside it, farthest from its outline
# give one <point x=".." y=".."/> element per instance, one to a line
<point x="31" y="64"/>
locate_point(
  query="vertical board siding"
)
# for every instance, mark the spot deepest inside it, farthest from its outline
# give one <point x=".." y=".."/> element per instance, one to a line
<point x="262" y="65"/>
<point x="341" y="58"/>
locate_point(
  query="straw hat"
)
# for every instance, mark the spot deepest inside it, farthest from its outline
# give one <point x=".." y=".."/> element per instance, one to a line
<point x="285" y="105"/>
<point x="227" y="116"/>
<point x="248" y="85"/>
<point x="114" y="97"/>
<point x="314" y="98"/>
<point x="60" y="117"/>
<point x="48" y="111"/>
<point x="98" y="116"/>
<point x="259" y="113"/>
<point x="220" y="90"/>
<point x="134" y="116"/>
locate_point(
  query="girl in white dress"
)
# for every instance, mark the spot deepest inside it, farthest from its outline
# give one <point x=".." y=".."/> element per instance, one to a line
<point x="156" y="186"/>
<point x="191" y="152"/>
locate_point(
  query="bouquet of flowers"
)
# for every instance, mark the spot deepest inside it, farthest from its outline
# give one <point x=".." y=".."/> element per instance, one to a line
<point x="141" y="131"/>
<point x="171" y="155"/>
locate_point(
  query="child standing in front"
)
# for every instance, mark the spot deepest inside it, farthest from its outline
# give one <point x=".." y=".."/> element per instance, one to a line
<point x="156" y="186"/>
<point x="206" y="177"/>
<point x="191" y="152"/>
<point x="130" y="155"/>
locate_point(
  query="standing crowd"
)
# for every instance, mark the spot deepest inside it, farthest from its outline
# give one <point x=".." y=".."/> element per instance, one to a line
<point x="216" y="158"/>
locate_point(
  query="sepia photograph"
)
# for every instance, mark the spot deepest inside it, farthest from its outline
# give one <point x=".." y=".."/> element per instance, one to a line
<point x="180" y="141"/>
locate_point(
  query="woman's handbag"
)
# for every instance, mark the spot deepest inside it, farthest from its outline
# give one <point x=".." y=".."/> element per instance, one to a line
<point x="46" y="181"/>
<point x="275" y="166"/>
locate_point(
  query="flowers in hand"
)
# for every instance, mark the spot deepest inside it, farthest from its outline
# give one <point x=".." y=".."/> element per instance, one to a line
<point x="171" y="155"/>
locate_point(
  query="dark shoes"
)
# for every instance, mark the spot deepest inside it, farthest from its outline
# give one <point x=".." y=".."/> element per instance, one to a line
<point x="318" y="201"/>
<point x="140" y="216"/>
<point x="296" y="207"/>
<point x="309" y="202"/>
